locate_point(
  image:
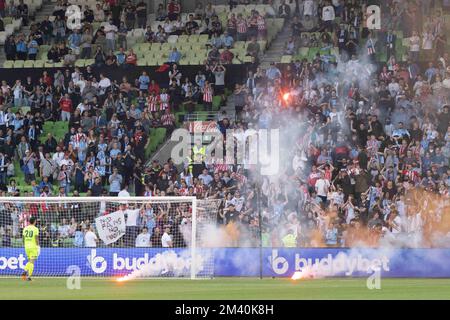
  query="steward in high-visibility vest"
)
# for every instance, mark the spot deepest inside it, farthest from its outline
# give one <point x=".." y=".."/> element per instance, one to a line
<point x="290" y="240"/>
<point x="199" y="150"/>
<point x="189" y="163"/>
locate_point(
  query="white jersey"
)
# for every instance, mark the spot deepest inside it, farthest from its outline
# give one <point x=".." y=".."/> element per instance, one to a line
<point x="90" y="239"/>
<point x="165" y="240"/>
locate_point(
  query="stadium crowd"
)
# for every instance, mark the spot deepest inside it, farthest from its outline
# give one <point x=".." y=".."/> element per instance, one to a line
<point x="365" y="144"/>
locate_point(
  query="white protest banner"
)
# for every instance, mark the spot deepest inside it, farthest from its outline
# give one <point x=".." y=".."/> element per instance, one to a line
<point x="111" y="227"/>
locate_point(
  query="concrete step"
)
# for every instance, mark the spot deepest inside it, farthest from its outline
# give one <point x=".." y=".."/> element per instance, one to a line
<point x="276" y="49"/>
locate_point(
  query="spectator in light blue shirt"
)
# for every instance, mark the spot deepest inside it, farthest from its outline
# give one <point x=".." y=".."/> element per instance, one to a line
<point x="114" y="152"/>
<point x="115" y="183"/>
<point x="216" y="41"/>
<point x="36" y="189"/>
<point x="78" y="241"/>
<point x="174" y="56"/>
<point x="227" y="40"/>
<point x="74" y="40"/>
<point x="265" y="119"/>
<point x="33" y="48"/>
<point x="22" y="50"/>
<point x="431" y="72"/>
<point x="273" y="72"/>
<point x="100" y="169"/>
<point x="45" y="183"/>
<point x="331" y="235"/>
<point x="121" y="56"/>
<point x="400" y="131"/>
<point x="144" y="81"/>
<point x="17" y="123"/>
<point x="205" y="177"/>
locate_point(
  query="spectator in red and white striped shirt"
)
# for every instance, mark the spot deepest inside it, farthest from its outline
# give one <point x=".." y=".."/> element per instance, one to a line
<point x="207" y="96"/>
<point x="262" y="28"/>
<point x="241" y="25"/>
<point x="232" y="25"/>
<point x="168" y="121"/>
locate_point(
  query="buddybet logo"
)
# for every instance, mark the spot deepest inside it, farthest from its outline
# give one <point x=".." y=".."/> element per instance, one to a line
<point x="340" y="264"/>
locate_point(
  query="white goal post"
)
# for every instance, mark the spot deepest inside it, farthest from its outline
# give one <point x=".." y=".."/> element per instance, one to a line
<point x="131" y="237"/>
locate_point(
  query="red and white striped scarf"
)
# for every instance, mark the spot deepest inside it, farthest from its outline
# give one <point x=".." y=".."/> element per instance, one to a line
<point x="207" y="94"/>
<point x="164" y="101"/>
<point x="153" y="103"/>
<point x="261" y="23"/>
<point x="242" y="26"/>
<point x="167" y="119"/>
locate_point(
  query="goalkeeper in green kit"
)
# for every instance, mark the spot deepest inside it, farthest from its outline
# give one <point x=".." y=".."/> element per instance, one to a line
<point x="31" y="242"/>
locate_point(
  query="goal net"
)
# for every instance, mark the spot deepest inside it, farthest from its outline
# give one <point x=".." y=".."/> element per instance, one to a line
<point x="133" y="237"/>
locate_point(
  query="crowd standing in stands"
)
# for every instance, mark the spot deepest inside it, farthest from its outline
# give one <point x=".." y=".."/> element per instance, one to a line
<point x="367" y="142"/>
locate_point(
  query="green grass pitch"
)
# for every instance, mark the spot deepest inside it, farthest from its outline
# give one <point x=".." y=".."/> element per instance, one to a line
<point x="225" y="289"/>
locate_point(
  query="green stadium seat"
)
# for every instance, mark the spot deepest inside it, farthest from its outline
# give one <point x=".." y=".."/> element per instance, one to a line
<point x="193" y="38"/>
<point x="247" y="59"/>
<point x="184" y="61"/>
<point x="185" y="46"/>
<point x="216" y="102"/>
<point x="142" y="62"/>
<point x="28" y="64"/>
<point x="183" y="38"/>
<point x="25" y="109"/>
<point x="179" y="118"/>
<point x="8" y="64"/>
<point x="303" y="52"/>
<point x="156" y="46"/>
<point x="152" y="61"/>
<point x="193" y="61"/>
<point x="80" y="63"/>
<point x="19" y="63"/>
<point x="7" y="20"/>
<point x="203" y="38"/>
<point x="39" y="63"/>
<point x="286" y="59"/>
<point x="166" y="46"/>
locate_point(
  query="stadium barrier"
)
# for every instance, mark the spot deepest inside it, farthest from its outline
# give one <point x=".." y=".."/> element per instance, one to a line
<point x="234" y="262"/>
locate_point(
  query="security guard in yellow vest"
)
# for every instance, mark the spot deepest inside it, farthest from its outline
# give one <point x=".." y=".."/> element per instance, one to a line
<point x="189" y="162"/>
<point x="199" y="149"/>
<point x="289" y="240"/>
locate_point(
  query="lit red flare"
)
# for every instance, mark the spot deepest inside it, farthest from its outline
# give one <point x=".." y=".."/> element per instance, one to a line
<point x="302" y="275"/>
<point x="122" y="279"/>
<point x="298" y="275"/>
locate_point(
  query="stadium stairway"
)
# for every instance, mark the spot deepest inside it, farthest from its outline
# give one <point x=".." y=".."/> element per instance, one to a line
<point x="276" y="48"/>
<point x="47" y="10"/>
<point x="164" y="149"/>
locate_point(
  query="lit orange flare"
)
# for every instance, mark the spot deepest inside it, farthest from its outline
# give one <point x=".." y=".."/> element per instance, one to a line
<point x="297" y="275"/>
<point x="122" y="279"/>
<point x="286" y="96"/>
